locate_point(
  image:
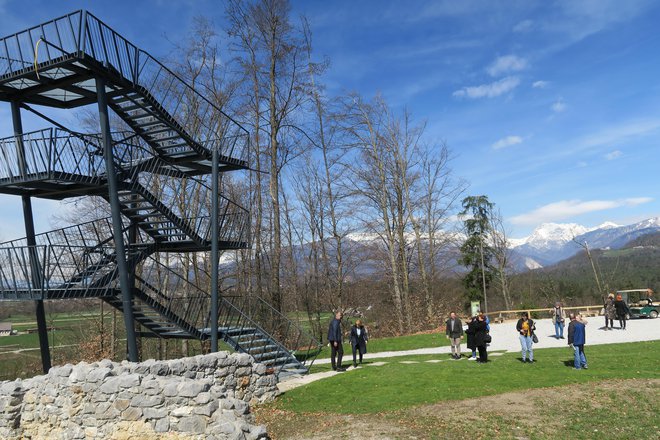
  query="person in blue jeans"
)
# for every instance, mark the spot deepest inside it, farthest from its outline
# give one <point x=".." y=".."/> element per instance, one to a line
<point x="526" y="327"/>
<point x="558" y="317"/>
<point x="576" y="339"/>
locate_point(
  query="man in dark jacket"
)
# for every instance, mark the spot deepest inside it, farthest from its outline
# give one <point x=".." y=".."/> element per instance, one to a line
<point x="576" y="339"/>
<point x="454" y="331"/>
<point x="335" y="340"/>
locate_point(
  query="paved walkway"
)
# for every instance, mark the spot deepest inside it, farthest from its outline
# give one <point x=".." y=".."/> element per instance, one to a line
<point x="505" y="338"/>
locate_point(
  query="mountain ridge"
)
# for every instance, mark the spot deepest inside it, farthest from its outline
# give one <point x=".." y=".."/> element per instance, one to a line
<point x="550" y="243"/>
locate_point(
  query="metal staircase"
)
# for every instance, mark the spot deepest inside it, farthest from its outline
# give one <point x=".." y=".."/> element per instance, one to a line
<point x="167" y="157"/>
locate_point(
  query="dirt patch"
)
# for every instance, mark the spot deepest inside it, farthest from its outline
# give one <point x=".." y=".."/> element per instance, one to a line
<point x="538" y="413"/>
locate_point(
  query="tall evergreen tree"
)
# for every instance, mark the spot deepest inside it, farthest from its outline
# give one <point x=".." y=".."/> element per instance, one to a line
<point x="476" y="252"/>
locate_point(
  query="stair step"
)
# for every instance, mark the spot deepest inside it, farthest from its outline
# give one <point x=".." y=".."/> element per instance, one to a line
<point x="127" y="98"/>
<point x="165" y="139"/>
<point x="277" y="361"/>
<point x="157" y="131"/>
<point x="130" y="108"/>
<point x="266" y="355"/>
<point x="148" y="123"/>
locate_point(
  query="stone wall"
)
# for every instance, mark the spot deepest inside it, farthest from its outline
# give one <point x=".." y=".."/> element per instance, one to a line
<point x="202" y="397"/>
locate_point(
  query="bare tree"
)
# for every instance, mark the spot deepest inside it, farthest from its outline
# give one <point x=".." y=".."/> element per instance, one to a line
<point x="501" y="254"/>
<point x="274" y="49"/>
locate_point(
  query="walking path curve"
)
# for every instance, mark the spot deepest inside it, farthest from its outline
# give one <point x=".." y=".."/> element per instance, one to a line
<point x="505" y="338"/>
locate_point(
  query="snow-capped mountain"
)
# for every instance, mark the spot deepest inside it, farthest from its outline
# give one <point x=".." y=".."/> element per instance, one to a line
<point x="553" y="242"/>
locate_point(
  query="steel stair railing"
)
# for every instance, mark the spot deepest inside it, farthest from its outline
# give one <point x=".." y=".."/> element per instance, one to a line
<point x="246" y="320"/>
<point x="141" y="81"/>
<point x="49" y="152"/>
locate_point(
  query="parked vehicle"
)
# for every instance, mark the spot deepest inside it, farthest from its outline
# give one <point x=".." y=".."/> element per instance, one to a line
<point x="641" y="303"/>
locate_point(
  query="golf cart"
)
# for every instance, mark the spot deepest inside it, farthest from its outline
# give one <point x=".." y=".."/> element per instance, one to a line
<point x="640" y="302"/>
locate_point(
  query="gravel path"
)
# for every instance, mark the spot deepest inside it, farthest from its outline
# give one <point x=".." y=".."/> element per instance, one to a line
<point x="505" y="338"/>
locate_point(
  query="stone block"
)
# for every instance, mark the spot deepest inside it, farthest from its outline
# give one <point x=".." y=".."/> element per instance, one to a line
<point x="206" y="410"/>
<point x="106" y="363"/>
<point x="154" y="413"/>
<point x="192" y="389"/>
<point x="244" y="359"/>
<point x="259" y="369"/>
<point x="258" y="432"/>
<point x="110" y="385"/>
<point x="79" y="373"/>
<point x="129" y="380"/>
<point x="192" y="424"/>
<point x="182" y="411"/>
<point x="176" y="367"/>
<point x="162" y="425"/>
<point x="203" y="398"/>
<point x="122" y="404"/>
<point x="171" y="389"/>
<point x="143" y="401"/>
<point x="243" y="371"/>
<point x="159" y="369"/>
<point x="131" y="414"/>
<point x="63" y="371"/>
<point x="207" y="361"/>
<point x="98" y="374"/>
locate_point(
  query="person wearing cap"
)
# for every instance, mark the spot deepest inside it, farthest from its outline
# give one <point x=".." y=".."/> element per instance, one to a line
<point x="558" y="317"/>
<point x="622" y="311"/>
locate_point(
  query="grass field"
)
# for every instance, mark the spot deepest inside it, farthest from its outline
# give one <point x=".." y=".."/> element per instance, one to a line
<point x="502" y="399"/>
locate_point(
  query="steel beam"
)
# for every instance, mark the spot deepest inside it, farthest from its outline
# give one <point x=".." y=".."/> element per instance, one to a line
<point x="215" y="254"/>
<point x="28" y="219"/>
<point x="117" y="229"/>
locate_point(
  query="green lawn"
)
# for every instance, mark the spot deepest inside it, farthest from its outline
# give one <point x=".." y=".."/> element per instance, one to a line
<point x="374" y="389"/>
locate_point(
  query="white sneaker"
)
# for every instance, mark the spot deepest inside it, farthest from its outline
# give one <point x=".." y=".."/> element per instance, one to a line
<point x="472" y="358"/>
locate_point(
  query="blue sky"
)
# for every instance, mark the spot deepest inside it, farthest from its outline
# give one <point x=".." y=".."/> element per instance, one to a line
<point x="552" y="108"/>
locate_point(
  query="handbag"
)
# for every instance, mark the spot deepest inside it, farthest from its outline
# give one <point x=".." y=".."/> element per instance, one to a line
<point x="488" y="339"/>
<point x="535" y="339"/>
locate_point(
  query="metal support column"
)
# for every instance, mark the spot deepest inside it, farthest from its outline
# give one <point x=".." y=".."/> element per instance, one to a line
<point x="215" y="252"/>
<point x="28" y="219"/>
<point x="122" y="266"/>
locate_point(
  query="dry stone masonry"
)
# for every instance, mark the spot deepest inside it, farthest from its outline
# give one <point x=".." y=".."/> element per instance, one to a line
<point x="202" y="397"/>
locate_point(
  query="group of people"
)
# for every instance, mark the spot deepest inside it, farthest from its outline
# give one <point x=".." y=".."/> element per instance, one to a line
<point x="358" y="338"/>
<point x="477" y="332"/>
<point x="478" y="337"/>
<point x="615" y="308"/>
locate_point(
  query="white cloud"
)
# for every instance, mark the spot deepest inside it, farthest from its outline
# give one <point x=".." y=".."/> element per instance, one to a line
<point x="506" y="64"/>
<point x="565" y="209"/>
<point x="618" y="134"/>
<point x="507" y="142"/>
<point x="540" y="84"/>
<point x="524" y="26"/>
<point x="558" y="106"/>
<point x="491" y="90"/>
<point x="613" y="155"/>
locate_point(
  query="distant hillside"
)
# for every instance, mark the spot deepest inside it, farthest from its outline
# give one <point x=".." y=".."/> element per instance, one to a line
<point x="635" y="265"/>
<point x="551" y="242"/>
